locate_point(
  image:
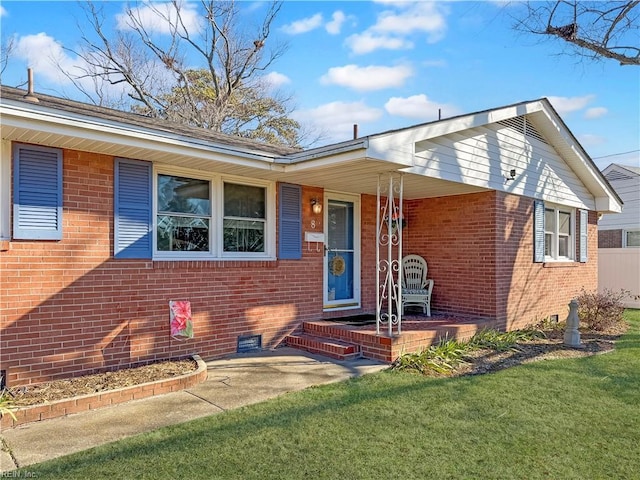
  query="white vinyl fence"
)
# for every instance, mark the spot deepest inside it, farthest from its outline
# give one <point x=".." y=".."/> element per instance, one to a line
<point x="619" y="269"/>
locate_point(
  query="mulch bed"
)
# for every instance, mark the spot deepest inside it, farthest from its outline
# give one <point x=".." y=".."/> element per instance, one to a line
<point x="99" y="382"/>
<point x="547" y="348"/>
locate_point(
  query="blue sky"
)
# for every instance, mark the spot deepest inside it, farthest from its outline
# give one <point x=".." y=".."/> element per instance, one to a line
<point x="386" y="65"/>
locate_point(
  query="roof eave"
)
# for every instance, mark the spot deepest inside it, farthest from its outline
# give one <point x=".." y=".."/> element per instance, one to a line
<point x="16" y="114"/>
<point x="607" y="199"/>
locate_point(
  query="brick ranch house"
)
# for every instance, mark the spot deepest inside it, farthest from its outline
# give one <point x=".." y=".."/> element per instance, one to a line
<point x="106" y="217"/>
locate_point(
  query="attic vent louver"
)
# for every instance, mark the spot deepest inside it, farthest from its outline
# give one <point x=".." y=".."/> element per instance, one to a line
<point x="614" y="175"/>
<point x="520" y="124"/>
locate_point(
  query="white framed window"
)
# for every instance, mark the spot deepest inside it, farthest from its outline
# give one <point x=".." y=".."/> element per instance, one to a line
<point x="559" y="233"/>
<point x="244" y="218"/>
<point x="183" y="214"/>
<point x="200" y="216"/>
<point x="631" y="238"/>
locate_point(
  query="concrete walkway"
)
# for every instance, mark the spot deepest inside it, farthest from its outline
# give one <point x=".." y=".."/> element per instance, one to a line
<point x="231" y="383"/>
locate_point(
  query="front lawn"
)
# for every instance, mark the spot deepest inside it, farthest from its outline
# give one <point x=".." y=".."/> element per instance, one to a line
<point x="559" y="419"/>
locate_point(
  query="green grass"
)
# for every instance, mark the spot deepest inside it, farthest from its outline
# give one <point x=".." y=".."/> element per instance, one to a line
<point x="554" y="419"/>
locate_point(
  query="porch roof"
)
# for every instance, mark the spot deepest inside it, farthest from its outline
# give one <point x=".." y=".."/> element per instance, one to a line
<point x="351" y="166"/>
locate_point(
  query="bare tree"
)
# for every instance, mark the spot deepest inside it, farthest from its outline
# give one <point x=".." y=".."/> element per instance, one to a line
<point x="7" y="48"/>
<point x="605" y="29"/>
<point x="200" y="71"/>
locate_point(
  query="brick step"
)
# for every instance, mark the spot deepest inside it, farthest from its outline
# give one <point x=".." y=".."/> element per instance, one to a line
<point x="324" y="346"/>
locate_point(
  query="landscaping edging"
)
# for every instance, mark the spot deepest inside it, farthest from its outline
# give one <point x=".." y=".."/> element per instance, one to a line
<point x="83" y="403"/>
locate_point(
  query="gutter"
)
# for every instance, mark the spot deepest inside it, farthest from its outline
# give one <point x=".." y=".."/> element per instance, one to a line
<point x="321" y="152"/>
<point x="14" y="114"/>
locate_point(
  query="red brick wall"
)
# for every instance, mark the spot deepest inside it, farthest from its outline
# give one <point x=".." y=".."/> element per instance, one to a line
<point x="456" y="235"/>
<point x="68" y="307"/>
<point x="368" y="252"/>
<point x="479" y="249"/>
<point x="529" y="292"/>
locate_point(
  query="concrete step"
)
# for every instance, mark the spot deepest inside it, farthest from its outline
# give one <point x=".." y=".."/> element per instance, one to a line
<point x="336" y="349"/>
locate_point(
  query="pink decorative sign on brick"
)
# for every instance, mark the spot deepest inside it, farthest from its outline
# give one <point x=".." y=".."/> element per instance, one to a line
<point x="180" y="319"/>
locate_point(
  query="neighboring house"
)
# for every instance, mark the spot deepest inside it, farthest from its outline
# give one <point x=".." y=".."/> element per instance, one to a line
<point x="619" y="236"/>
<point x="106" y="217"/>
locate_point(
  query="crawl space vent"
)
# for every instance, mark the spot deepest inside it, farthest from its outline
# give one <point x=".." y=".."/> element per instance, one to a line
<point x="249" y="343"/>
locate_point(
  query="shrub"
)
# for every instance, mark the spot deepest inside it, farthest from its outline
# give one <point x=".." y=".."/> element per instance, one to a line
<point x="448" y="354"/>
<point x="503" y="341"/>
<point x="551" y="325"/>
<point x="6" y="404"/>
<point x="441" y="358"/>
<point x="601" y="310"/>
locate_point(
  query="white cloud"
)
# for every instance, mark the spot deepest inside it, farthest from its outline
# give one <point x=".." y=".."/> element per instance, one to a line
<point x="398" y="22"/>
<point x="419" y="107"/>
<point x="3" y="12"/>
<point x="276" y="79"/>
<point x="337" y="19"/>
<point x="304" y="25"/>
<point x="46" y="57"/>
<point x="564" y="105"/>
<point x="336" y="119"/>
<point x="369" y="78"/>
<point x="156" y="18"/>
<point x="426" y="17"/>
<point x="361" y="43"/>
<point x="595" y="112"/>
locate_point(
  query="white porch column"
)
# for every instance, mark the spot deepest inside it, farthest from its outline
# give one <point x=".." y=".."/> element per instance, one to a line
<point x="389" y="252"/>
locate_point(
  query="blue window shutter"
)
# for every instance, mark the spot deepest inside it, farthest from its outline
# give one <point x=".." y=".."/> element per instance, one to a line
<point x="132" y="209"/>
<point x="538" y="231"/>
<point x="37" y="193"/>
<point x="584" y="238"/>
<point x="290" y="222"/>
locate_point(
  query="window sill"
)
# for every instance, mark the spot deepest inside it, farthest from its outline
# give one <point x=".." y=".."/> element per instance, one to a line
<point x="567" y="264"/>
<point x="161" y="264"/>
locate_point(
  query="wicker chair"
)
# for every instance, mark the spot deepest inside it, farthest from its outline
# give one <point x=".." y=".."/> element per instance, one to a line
<point x="416" y="287"/>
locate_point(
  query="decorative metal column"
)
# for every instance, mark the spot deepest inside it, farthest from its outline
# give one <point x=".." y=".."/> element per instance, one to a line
<point x="389" y="223"/>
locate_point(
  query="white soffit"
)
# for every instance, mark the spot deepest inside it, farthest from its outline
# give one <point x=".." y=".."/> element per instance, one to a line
<point x="124" y="140"/>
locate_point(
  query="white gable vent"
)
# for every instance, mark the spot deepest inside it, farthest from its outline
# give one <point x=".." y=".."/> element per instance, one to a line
<point x="520" y="124"/>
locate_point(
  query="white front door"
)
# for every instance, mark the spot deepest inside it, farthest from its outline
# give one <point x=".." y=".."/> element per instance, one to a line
<point x="342" y="251"/>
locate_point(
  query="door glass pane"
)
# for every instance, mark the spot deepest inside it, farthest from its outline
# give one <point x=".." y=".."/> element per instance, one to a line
<point x="340" y="218"/>
<point x="340" y="257"/>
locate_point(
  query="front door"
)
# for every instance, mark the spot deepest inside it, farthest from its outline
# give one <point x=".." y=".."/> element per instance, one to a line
<point x="342" y="253"/>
